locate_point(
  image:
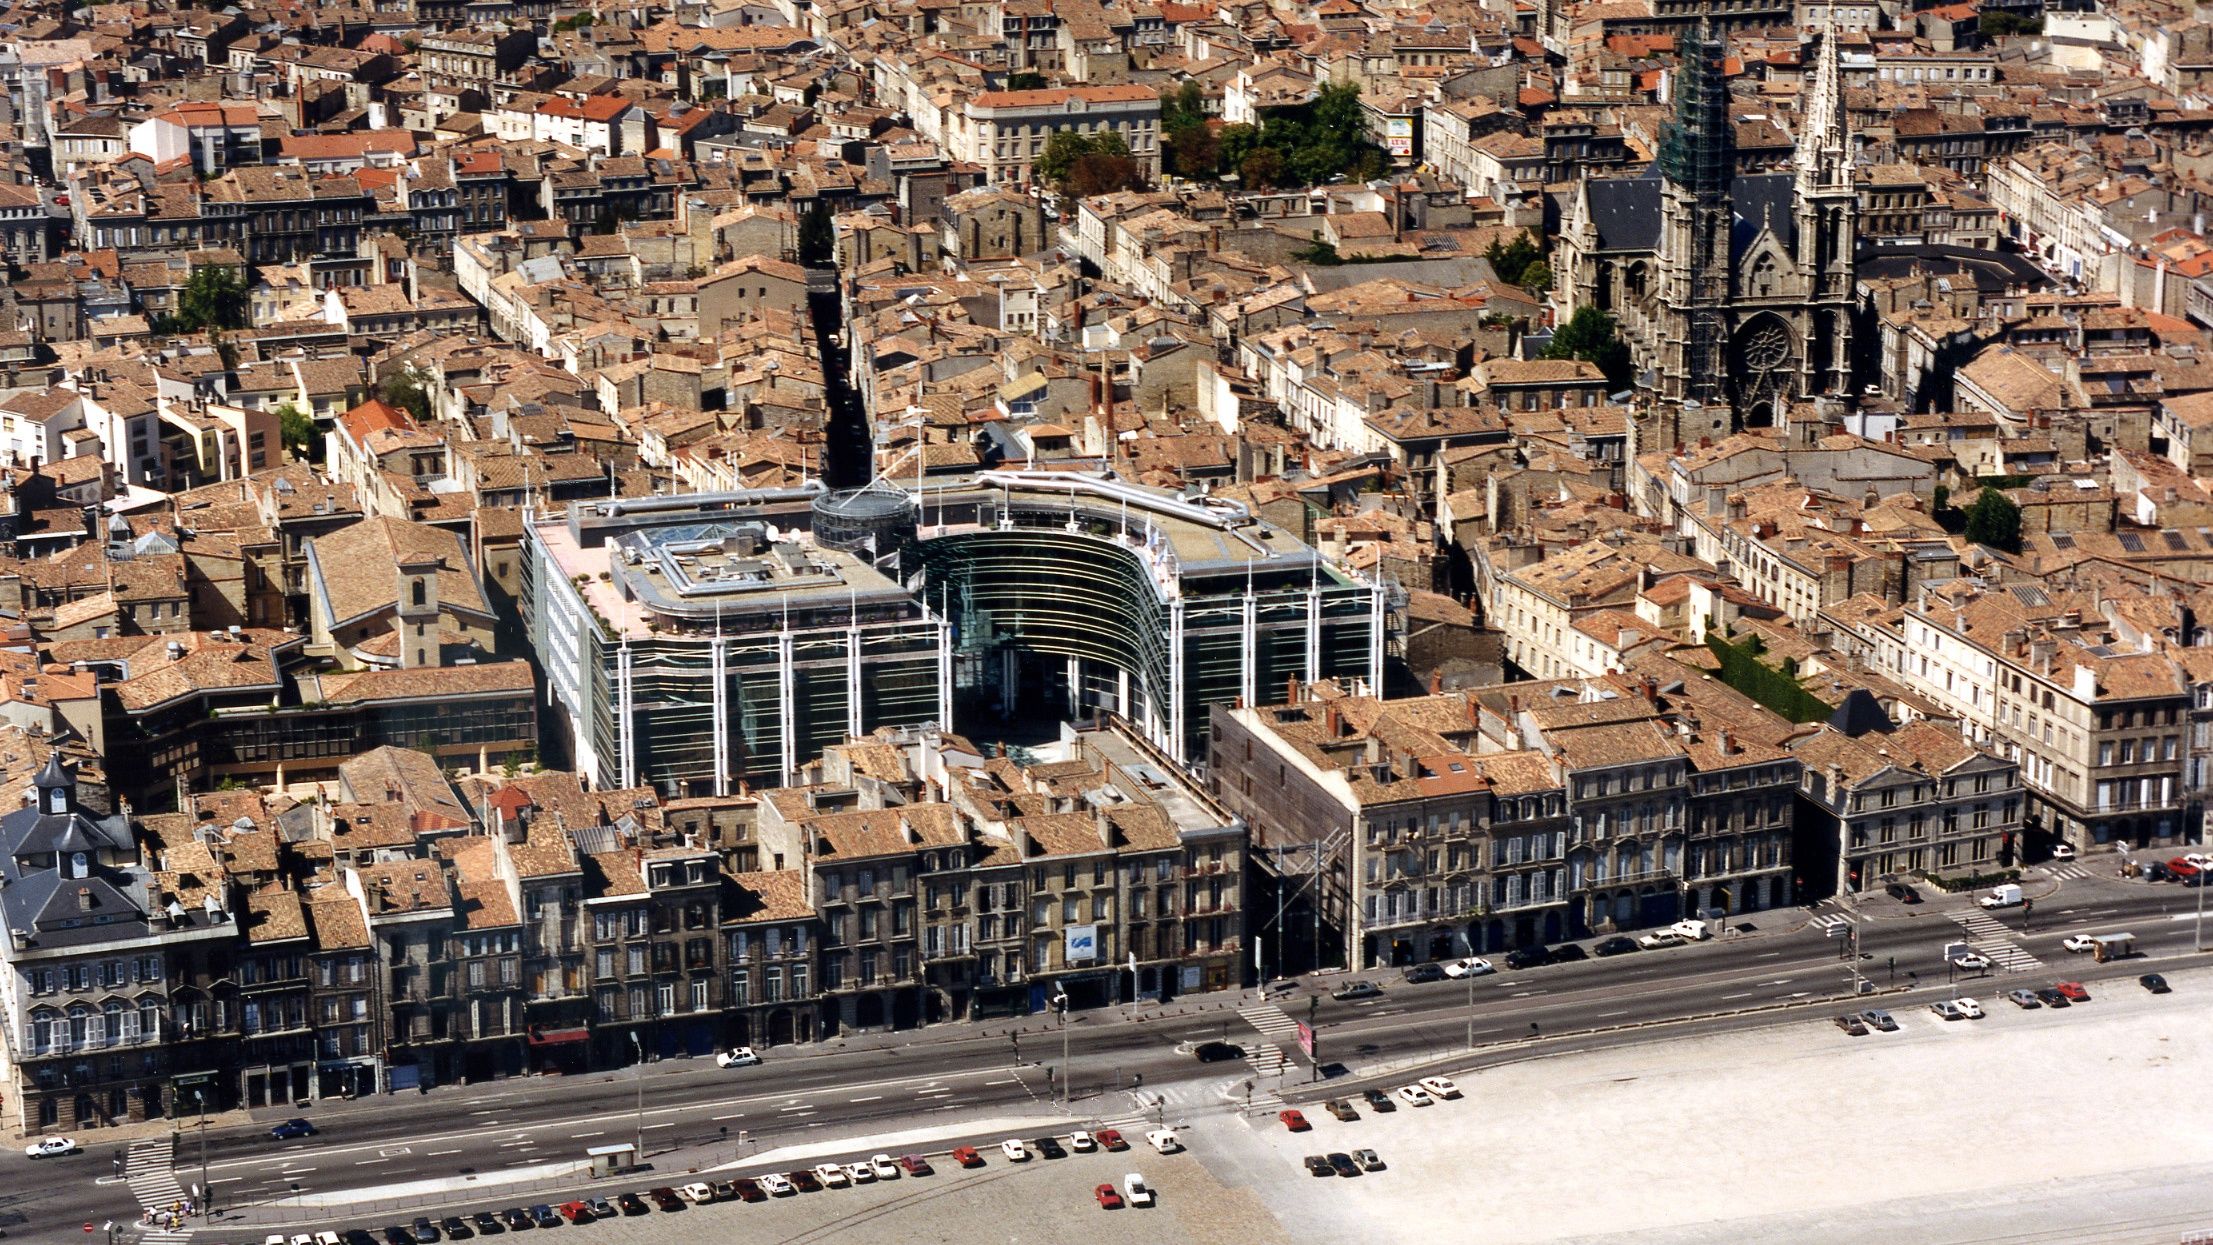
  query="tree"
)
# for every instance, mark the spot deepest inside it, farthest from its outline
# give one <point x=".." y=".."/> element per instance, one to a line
<point x="818" y="236"/>
<point x="1511" y="260"/>
<point x="1999" y="25"/>
<point x="297" y="427"/>
<point x="1261" y="170"/>
<point x="1024" y="80"/>
<point x="1995" y="521"/>
<point x="1590" y="335"/>
<point x="1081" y="165"/>
<point x="213" y="297"/>
<point x="405" y="390"/>
<point x="1319" y="252"/>
<point x="1537" y="276"/>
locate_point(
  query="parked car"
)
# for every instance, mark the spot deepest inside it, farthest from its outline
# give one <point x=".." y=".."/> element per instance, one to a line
<point x="2051" y="997"/>
<point x="358" y="1236"/>
<point x="1528" y="957"/>
<point x="1049" y="1148"/>
<point x="2072" y="991"/>
<point x="1473" y="966"/>
<point x="881" y="1166"/>
<point x="51" y="1148"/>
<point x="1342" y="1109"/>
<point x="1164" y="1140"/>
<point x="748" y="1189"/>
<point x="966" y="1156"/>
<point x="1415" y="1096"/>
<point x="1416" y="974"/>
<point x="739" y="1057"/>
<point x="1660" y="938"/>
<point x="696" y="1191"/>
<point x="831" y="1175"/>
<point x="916" y="1165"/>
<point x="632" y="1204"/>
<point x="518" y="1219"/>
<point x="727" y="1191"/>
<point x="1378" y="1101"/>
<point x="601" y="1208"/>
<point x="1619" y="944"/>
<point x="804" y="1181"/>
<point x="488" y="1223"/>
<point x="1368" y="1159"/>
<point x="1569" y="953"/>
<point x="1109" y="1197"/>
<point x="773" y="1184"/>
<point x="1877" y="1018"/>
<point x="1903" y="893"/>
<point x="1082" y="1142"/>
<point x="424" y="1231"/>
<point x="1111" y="1139"/>
<point x="860" y="1173"/>
<point x="1968" y="1008"/>
<point x="1294" y="1120"/>
<point x="1946" y="1009"/>
<point x="2024" y="999"/>
<point x="1362" y="989"/>
<point x="1441" y="1087"/>
<point x="666" y="1199"/>
<point x="2153" y="982"/>
<point x="456" y="1228"/>
<point x="1015" y="1151"/>
<point x="1343" y="1165"/>
<point x="291" y="1129"/>
<point x="395" y="1234"/>
<point x="545" y="1216"/>
<point x="1851" y="1025"/>
<point x="1316" y="1165"/>
<point x="1136" y="1191"/>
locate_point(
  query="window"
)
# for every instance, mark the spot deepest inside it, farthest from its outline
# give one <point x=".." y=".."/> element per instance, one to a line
<point x="699" y="994"/>
<point x="665" y="995"/>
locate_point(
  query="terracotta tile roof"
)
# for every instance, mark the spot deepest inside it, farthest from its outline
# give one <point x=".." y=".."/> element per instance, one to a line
<point x="274" y="915"/>
<point x="778" y="895"/>
<point x="336" y="921"/>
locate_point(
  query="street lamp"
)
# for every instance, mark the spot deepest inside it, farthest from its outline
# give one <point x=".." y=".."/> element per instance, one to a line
<point x="1471" y="1010"/>
<point x="207" y="1191"/>
<point x="637" y="1156"/>
<point x="1060" y="1005"/>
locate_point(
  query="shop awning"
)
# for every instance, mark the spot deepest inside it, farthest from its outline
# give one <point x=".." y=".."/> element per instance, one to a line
<point x="554" y="1037"/>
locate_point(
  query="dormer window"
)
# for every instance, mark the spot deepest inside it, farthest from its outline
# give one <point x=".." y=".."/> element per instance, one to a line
<point x="57" y="800"/>
<point x="80" y="865"/>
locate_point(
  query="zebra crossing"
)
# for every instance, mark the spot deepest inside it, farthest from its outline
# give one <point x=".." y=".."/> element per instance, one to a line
<point x="2068" y="873"/>
<point x="1829" y="920"/>
<point x="149" y="1168"/>
<point x="1992" y="937"/>
<point x="1267" y="1057"/>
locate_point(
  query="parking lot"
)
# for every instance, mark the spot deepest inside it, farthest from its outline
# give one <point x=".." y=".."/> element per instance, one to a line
<point x="2029" y="1125"/>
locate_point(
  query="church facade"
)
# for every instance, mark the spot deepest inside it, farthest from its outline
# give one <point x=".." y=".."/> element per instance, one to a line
<point x="1733" y="290"/>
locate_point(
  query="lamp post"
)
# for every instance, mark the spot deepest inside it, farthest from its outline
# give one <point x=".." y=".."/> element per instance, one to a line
<point x="1060" y="1005"/>
<point x="2197" y="935"/>
<point x="207" y="1191"/>
<point x="1471" y="1010"/>
<point x="638" y="1154"/>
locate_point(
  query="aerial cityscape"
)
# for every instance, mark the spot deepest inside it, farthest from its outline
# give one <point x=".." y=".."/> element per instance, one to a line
<point x="1105" y="620"/>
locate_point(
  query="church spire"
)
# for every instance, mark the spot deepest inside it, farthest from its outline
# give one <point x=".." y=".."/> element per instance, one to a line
<point x="1824" y="149"/>
<point x="1696" y="146"/>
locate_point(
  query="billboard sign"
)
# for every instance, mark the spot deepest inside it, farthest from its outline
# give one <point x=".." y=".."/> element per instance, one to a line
<point x="1082" y="944"/>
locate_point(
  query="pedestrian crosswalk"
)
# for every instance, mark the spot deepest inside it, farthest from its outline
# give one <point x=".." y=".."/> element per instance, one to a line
<point x="149" y="1170"/>
<point x="2068" y="873"/>
<point x="1267" y="1057"/>
<point x="1830" y="919"/>
<point x="1991" y="937"/>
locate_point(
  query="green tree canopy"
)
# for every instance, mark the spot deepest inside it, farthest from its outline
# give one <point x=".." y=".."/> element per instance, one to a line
<point x="1590" y="335"/>
<point x="818" y="236"/>
<point x="1995" y="521"/>
<point x="405" y="390"/>
<point x="213" y="297"/>
<point x="1081" y="165"/>
<point x="1511" y="260"/>
<point x="297" y="427"/>
<point x="1025" y="80"/>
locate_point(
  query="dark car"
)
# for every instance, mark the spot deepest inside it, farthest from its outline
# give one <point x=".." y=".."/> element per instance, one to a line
<point x="487" y="1223"/>
<point x="545" y="1216"/>
<point x="2153" y="982"/>
<point x="631" y="1204"/>
<point x="291" y="1129"/>
<point x="394" y="1234"/>
<point x="1049" y="1148"/>
<point x="804" y="1181"/>
<point x="1316" y="1165"/>
<point x="1528" y="957"/>
<point x="1418" y="973"/>
<point x="1343" y="1165"/>
<point x="724" y="1190"/>
<point x="1902" y="893"/>
<point x="1851" y="1025"/>
<point x="747" y="1189"/>
<point x="455" y="1228"/>
<point x="517" y="1219"/>
<point x="359" y="1236"/>
<point x="916" y="1165"/>
<point x="1619" y="944"/>
<point x="1357" y="990"/>
<point x="1378" y="1101"/>
<point x="1342" y="1109"/>
<point x="1218" y="1052"/>
<point x="1569" y="953"/>
<point x="1877" y="1018"/>
<point x="425" y="1231"/>
<point x="2051" y="997"/>
<point x="2156" y="872"/>
<point x="664" y="1198"/>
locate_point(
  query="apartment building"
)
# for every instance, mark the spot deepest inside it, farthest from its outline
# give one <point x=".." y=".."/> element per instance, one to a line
<point x="1884" y="804"/>
<point x="1006" y="131"/>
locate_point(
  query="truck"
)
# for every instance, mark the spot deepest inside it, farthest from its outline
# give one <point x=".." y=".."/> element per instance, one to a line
<point x="2007" y="896"/>
<point x="2113" y="946"/>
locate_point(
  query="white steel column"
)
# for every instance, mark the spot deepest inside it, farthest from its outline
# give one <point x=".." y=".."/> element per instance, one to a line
<point x="944" y="674"/>
<point x="1248" y="657"/>
<point x="786" y="680"/>
<point x="720" y="673"/>
<point x="1075" y="687"/>
<point x="1176" y="692"/>
<point x="1314" y="634"/>
<point x="853" y="682"/>
<point x="625" y="736"/>
<point x="1375" y="639"/>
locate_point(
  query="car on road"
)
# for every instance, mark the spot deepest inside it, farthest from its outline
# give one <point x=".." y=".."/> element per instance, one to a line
<point x="1368" y="1159"/>
<point x="860" y="1173"/>
<point x="1902" y="893"/>
<point x="2063" y="851"/>
<point x="1108" y="1196"/>
<point x="1851" y="1025"/>
<point x="488" y="1223"/>
<point x="1049" y="1148"/>
<point x="1569" y="953"/>
<point x="1416" y="974"/>
<point x="1316" y="1165"/>
<point x="2080" y="944"/>
<point x="1440" y="1086"/>
<point x="51" y="1148"/>
<point x="747" y="1189"/>
<point x="1971" y="961"/>
<point x="1968" y="1008"/>
<point x="773" y="1184"/>
<point x="1015" y="1151"/>
<point x="1473" y="966"/>
<point x="1294" y="1120"/>
<point x="456" y="1228"/>
<point x="1660" y="938"/>
<point x="1343" y="1165"/>
<point x="1082" y="1142"/>
<point x="1378" y="1101"/>
<point x="1357" y="990"/>
<point x="1136" y="1191"/>
<point x="1111" y="1139"/>
<point x="291" y="1129"/>
<point x="804" y="1181"/>
<point x="2153" y="982"/>
<point x="738" y="1057"/>
<point x="665" y="1199"/>
<point x="882" y="1166"/>
<point x="2024" y="999"/>
<point x="424" y="1231"/>
<point x="831" y="1175"/>
<point x="1879" y="1019"/>
<point x="1218" y="1052"/>
<point x="1342" y="1109"/>
<point x="1528" y="957"/>
<point x="916" y="1165"/>
<point x="966" y="1156"/>
<point x="1415" y="1096"/>
<point x="545" y="1216"/>
<point x="2072" y="991"/>
<point x="2051" y="997"/>
<point x="1946" y="1009"/>
<point x="1164" y="1140"/>
<point x="1619" y="944"/>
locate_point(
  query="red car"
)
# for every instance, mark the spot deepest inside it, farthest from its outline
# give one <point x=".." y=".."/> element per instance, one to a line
<point x="966" y="1156"/>
<point x="749" y="1189"/>
<point x="1294" y="1120"/>
<point x="576" y="1212"/>
<point x="2072" y="990"/>
<point x="1108" y="1198"/>
<point x="916" y="1165"/>
<point x="1110" y="1139"/>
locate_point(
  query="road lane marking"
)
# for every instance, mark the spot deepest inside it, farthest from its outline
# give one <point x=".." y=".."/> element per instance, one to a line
<point x="798" y="1114"/>
<point x="739" y="1116"/>
<point x="368" y="1162"/>
<point x="797" y="1106"/>
<point x="1605" y="1015"/>
<point x="226" y="1180"/>
<point x="1012" y="1080"/>
<point x="1731" y="998"/>
<point x="435" y="1153"/>
<point x="595" y="1133"/>
<point x="870" y="1098"/>
<point x="664" y="1124"/>
<point x="1768" y="955"/>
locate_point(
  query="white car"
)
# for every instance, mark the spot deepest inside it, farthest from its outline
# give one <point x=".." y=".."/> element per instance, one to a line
<point x="740" y="1057"/>
<point x="50" y="1147"/>
<point x="1473" y="966"/>
<point x="1968" y="1008"/>
<point x="884" y="1168"/>
<point x="1660" y="938"/>
<point x="2080" y="943"/>
<point x="1441" y="1087"/>
<point x="328" y="1237"/>
<point x="2063" y="851"/>
<point x="860" y="1173"/>
<point x="697" y="1191"/>
<point x="831" y="1175"/>
<point x="1975" y="961"/>
<point x="1692" y="931"/>
<point x="1415" y="1096"/>
<point x="775" y="1184"/>
<point x="302" y="1238"/>
<point x="274" y="1238"/>
<point x="1161" y="1139"/>
<point x="1015" y="1151"/>
<point x="1080" y="1141"/>
<point x="1135" y="1191"/>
